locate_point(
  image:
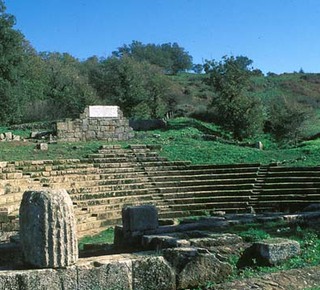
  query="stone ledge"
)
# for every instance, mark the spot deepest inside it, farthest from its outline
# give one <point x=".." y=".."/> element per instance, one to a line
<point x="126" y="272"/>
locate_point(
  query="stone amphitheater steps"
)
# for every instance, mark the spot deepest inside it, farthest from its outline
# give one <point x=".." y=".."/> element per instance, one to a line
<point x="188" y="170"/>
<point x="101" y="184"/>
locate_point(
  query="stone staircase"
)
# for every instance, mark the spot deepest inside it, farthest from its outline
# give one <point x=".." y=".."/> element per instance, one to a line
<point x="280" y="188"/>
<point x="101" y="184"/>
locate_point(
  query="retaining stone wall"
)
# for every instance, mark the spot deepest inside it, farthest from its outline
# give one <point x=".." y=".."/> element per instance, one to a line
<point x="94" y="128"/>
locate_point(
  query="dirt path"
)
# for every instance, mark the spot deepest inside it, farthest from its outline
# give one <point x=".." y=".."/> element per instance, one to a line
<point x="307" y="278"/>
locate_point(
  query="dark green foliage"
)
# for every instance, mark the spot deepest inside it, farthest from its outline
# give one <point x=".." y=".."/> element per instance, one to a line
<point x="67" y="91"/>
<point x="140" y="89"/>
<point x="286" y="118"/>
<point x="11" y="52"/>
<point x="235" y="109"/>
<point x="169" y="56"/>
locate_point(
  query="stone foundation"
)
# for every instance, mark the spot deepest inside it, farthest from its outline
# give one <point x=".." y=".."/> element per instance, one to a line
<point x="96" y="123"/>
<point x="126" y="272"/>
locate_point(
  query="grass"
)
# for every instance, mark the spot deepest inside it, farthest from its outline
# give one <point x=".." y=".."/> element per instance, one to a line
<point x="103" y="237"/>
<point x="184" y="139"/>
<point x="308" y="239"/>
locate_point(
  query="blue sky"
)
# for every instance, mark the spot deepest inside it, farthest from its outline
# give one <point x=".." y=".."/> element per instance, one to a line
<point x="278" y="35"/>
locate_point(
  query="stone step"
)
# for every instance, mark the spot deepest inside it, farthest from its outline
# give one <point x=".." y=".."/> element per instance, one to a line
<point x="126" y="154"/>
<point x="294" y="196"/>
<point x="221" y="188"/>
<point x="210" y="199"/>
<point x="291" y="185"/>
<point x="179" y="176"/>
<point x="311" y="173"/>
<point x="116" y="201"/>
<point x="289" y="179"/>
<point x="102" y="197"/>
<point x="111" y="177"/>
<point x="226" y="166"/>
<point x="186" y="170"/>
<point x="112" y="183"/>
<point x="294" y="169"/>
<point x="203" y="194"/>
<point x="289" y="191"/>
<point x="76" y="190"/>
<point x="50" y="167"/>
<point x="125" y="164"/>
<point x="203" y="206"/>
<point x="84" y="229"/>
<point x="10" y="198"/>
<point x="197" y="182"/>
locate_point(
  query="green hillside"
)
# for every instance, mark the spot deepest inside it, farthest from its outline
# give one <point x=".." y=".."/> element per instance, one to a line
<point x="183" y="139"/>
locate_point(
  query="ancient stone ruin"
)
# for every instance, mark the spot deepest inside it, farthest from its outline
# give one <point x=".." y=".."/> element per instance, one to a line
<point x="96" y="123"/>
<point x="48" y="229"/>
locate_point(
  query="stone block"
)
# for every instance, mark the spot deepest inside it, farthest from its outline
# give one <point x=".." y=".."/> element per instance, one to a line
<point x="16" y="138"/>
<point x="43" y="146"/>
<point x="216" y="240"/>
<point x="158" y="242"/>
<point x="9" y="280"/>
<point x="152" y="273"/>
<point x="196" y="266"/>
<point x="48" y="229"/>
<point x="269" y="252"/>
<point x="8" y="136"/>
<point x="139" y="218"/>
<point x="115" y="275"/>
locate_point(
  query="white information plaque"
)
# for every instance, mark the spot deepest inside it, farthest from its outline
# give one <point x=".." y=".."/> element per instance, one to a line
<point x="103" y="111"/>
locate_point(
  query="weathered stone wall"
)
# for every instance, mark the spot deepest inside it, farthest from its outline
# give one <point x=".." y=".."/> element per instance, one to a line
<point x="114" y="127"/>
<point x="126" y="272"/>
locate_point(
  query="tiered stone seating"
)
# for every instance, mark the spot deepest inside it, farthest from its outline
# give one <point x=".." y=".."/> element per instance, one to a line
<point x="101" y="184"/>
<point x="282" y="188"/>
<point x="201" y="189"/>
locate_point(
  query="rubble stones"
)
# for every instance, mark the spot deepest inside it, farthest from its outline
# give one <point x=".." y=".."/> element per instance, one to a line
<point x="9" y="136"/>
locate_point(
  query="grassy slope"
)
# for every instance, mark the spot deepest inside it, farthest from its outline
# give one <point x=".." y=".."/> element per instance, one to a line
<point x="182" y="140"/>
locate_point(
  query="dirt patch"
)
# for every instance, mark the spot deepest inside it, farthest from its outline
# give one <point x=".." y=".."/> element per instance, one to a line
<point x="287" y="280"/>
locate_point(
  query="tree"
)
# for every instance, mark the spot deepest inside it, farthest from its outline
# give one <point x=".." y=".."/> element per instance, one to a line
<point x="11" y="56"/>
<point x="197" y="68"/>
<point x="67" y="91"/>
<point x="286" y="118"/>
<point x="235" y="109"/>
<point x="140" y="89"/>
<point x="169" y="56"/>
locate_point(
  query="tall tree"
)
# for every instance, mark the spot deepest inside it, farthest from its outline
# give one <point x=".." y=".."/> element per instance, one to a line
<point x="169" y="56"/>
<point x="67" y="90"/>
<point x="11" y="56"/>
<point x="235" y="109"/>
<point x="139" y="88"/>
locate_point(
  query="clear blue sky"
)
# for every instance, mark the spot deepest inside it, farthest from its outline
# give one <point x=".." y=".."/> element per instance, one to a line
<point x="278" y="35"/>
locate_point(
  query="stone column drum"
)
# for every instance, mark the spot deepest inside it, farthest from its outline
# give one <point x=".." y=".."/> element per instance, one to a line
<point x="48" y="229"/>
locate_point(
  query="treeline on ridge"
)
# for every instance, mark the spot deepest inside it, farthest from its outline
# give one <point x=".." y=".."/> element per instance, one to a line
<point x="148" y="81"/>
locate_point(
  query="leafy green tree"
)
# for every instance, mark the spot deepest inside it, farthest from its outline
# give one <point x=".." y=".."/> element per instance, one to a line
<point x="139" y="88"/>
<point x="235" y="109"/>
<point x="197" y="68"/>
<point x="67" y="91"/>
<point x="11" y="56"/>
<point x="169" y="56"/>
<point x="286" y="118"/>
